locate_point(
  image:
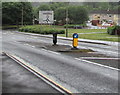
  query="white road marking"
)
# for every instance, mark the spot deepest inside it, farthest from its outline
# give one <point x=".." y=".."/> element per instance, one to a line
<point x="43" y="75"/>
<point x="27" y="56"/>
<point x="33" y="46"/>
<point x="51" y="51"/>
<point x="13" y="37"/>
<point x="29" y="38"/>
<point x="27" y="44"/>
<point x="99" y="58"/>
<point x="98" y="64"/>
<point x="35" y="37"/>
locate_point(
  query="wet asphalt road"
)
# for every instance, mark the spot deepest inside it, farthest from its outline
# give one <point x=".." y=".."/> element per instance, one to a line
<point x="76" y="75"/>
<point x="17" y="79"/>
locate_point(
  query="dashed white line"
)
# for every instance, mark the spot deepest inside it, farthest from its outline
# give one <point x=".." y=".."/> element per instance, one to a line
<point x="98" y="64"/>
<point x="33" y="46"/>
<point x="26" y="44"/>
<point x="4" y="33"/>
<point x="35" y="37"/>
<point x="51" y="51"/>
<point x="27" y="56"/>
<point x="13" y="37"/>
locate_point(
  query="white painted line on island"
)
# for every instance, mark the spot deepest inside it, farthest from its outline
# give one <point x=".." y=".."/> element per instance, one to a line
<point x="51" y="51"/>
<point x="33" y="46"/>
<point x="104" y="58"/>
<point x="98" y="64"/>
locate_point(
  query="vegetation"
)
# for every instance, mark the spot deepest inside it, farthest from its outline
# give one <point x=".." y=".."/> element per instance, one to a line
<point x="111" y="6"/>
<point x="100" y="36"/>
<point x="9" y="27"/>
<point x="41" y="29"/>
<point x="12" y="13"/>
<point x="114" y="30"/>
<point x="75" y="26"/>
<point x="93" y="35"/>
<point x="76" y="14"/>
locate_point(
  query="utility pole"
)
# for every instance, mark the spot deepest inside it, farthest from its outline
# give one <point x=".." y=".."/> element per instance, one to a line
<point x="66" y="22"/>
<point x="22" y="17"/>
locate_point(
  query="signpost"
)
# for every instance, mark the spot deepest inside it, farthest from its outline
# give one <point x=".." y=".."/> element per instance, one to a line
<point x="46" y="17"/>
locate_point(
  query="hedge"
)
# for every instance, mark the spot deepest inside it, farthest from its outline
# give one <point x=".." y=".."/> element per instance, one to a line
<point x="38" y="30"/>
<point x="114" y="30"/>
<point x="75" y="26"/>
<point x="9" y="27"/>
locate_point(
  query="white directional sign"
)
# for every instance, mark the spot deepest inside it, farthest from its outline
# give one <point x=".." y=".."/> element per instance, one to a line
<point x="46" y="17"/>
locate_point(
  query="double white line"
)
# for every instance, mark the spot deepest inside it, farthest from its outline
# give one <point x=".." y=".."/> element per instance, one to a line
<point x="37" y="72"/>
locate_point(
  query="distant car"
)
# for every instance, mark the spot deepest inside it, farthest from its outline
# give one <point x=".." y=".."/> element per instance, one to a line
<point x="104" y="24"/>
<point x="78" y="27"/>
<point x="110" y="22"/>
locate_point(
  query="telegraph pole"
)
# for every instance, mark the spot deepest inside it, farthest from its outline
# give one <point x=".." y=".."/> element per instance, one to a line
<point x="22" y="17"/>
<point x="66" y="22"/>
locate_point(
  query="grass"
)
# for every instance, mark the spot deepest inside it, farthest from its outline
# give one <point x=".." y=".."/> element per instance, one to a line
<point x="43" y="29"/>
<point x="86" y="30"/>
<point x="96" y="36"/>
<point x="100" y="36"/>
<point x="9" y="27"/>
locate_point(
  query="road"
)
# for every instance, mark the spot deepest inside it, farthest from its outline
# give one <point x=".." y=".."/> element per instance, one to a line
<point x="70" y="70"/>
<point x="19" y="80"/>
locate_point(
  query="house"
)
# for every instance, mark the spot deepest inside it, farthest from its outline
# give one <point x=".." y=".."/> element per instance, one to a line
<point x="105" y="16"/>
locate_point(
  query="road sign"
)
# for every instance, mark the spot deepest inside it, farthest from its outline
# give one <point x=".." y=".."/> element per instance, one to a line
<point x="75" y="35"/>
<point x="46" y="17"/>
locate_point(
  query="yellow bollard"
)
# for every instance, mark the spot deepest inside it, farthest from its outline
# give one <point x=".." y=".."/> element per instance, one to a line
<point x="75" y="40"/>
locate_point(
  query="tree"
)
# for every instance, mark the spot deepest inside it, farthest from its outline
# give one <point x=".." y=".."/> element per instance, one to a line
<point x="12" y="13"/>
<point x="55" y="5"/>
<point x="27" y="12"/>
<point x="60" y="15"/>
<point x="77" y="14"/>
<point x="42" y="7"/>
<point x="103" y="6"/>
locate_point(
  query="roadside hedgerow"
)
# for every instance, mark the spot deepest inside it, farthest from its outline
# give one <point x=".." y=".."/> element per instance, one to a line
<point x="75" y="26"/>
<point x="40" y="30"/>
<point x="114" y="30"/>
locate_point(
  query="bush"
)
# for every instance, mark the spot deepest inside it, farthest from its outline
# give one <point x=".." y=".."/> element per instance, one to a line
<point x="37" y="29"/>
<point x="75" y="26"/>
<point x="117" y="30"/>
<point x="111" y="30"/>
<point x="114" y="30"/>
<point x="9" y="27"/>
